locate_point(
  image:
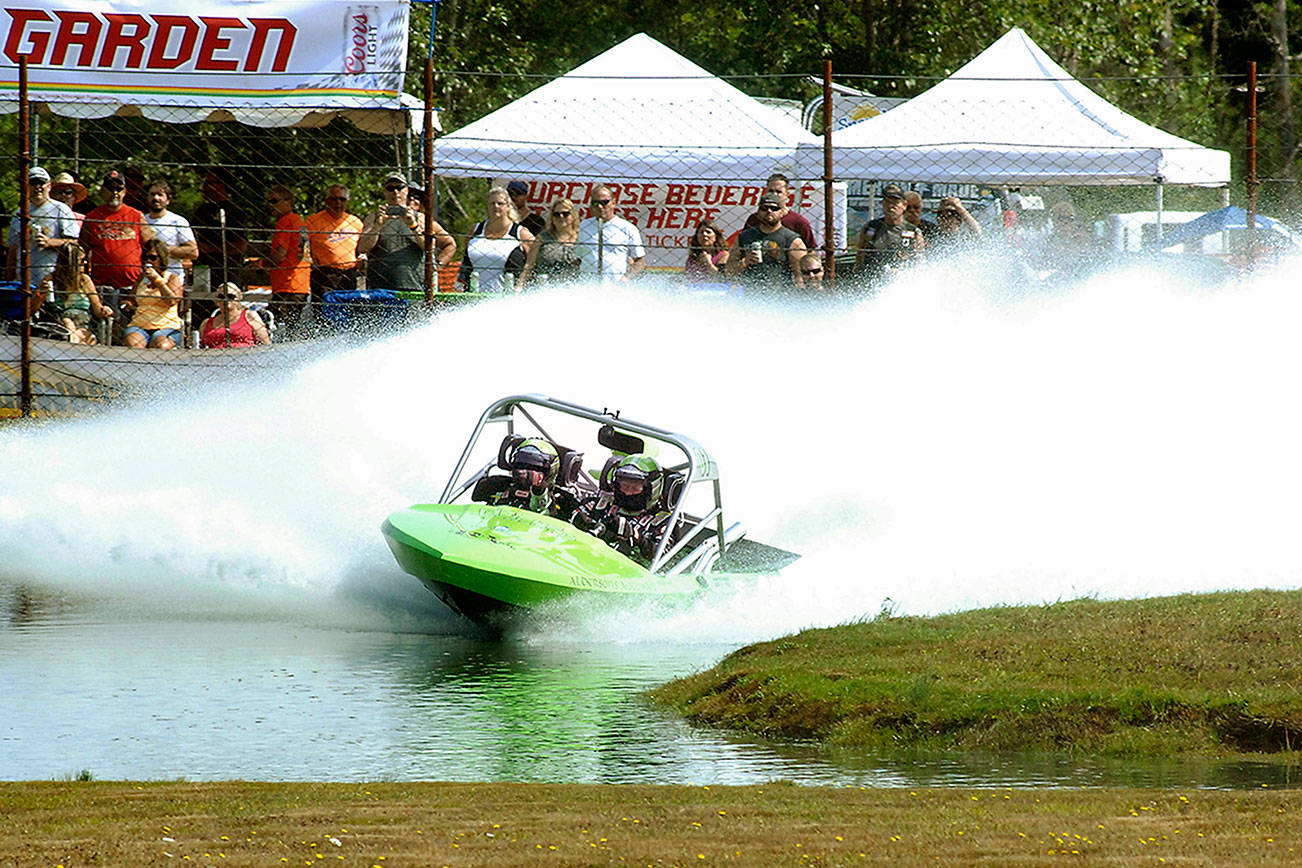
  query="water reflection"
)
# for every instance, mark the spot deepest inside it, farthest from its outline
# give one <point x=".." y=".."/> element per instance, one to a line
<point x="90" y="686"/>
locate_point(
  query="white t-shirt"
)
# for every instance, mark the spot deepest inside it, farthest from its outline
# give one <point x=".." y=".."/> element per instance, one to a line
<point x="620" y="242"/>
<point x="58" y="221"/>
<point x="174" y="230"/>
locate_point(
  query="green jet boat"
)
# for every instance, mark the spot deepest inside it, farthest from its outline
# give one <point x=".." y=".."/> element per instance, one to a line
<point x="494" y="562"/>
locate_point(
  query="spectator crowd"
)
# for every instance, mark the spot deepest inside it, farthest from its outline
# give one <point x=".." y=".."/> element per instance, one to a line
<point x="132" y="271"/>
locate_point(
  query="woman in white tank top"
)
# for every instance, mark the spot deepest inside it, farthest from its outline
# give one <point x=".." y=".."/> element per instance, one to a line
<point x="497" y="248"/>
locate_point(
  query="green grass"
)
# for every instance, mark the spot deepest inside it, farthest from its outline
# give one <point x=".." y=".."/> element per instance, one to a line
<point x="1213" y="675"/>
<point x="390" y="824"/>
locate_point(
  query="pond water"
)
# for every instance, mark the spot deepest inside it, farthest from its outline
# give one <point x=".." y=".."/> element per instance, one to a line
<point x="194" y="585"/>
<point x="90" y="687"/>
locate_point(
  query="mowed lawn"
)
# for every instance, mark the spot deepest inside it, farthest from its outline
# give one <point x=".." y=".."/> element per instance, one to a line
<point x="419" y="824"/>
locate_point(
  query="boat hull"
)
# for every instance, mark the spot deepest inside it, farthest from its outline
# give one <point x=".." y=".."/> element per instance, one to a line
<point x="494" y="562"/>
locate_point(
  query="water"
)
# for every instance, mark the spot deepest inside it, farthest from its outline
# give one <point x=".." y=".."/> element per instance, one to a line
<point x="198" y="588"/>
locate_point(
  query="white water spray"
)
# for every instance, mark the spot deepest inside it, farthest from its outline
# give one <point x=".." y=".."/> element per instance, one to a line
<point x="942" y="446"/>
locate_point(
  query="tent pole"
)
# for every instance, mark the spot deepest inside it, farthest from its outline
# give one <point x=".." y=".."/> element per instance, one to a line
<point x="1159" y="207"/>
<point x="829" y="246"/>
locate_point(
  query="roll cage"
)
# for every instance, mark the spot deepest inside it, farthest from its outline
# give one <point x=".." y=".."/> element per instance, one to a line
<point x="703" y="538"/>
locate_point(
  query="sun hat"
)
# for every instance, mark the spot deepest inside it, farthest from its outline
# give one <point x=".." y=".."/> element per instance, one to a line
<point x="63" y="179"/>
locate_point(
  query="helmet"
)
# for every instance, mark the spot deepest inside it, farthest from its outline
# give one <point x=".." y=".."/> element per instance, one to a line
<point x="535" y="463"/>
<point x="637" y="483"/>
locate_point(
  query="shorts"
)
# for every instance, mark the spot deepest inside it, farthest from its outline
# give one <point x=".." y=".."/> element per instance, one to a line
<point x="80" y="317"/>
<point x="155" y="333"/>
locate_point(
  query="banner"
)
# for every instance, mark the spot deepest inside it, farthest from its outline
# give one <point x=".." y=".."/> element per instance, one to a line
<point x="274" y="54"/>
<point x="667" y="212"/>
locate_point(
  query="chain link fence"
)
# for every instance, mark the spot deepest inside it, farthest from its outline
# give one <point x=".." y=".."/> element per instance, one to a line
<point x="1038" y="167"/>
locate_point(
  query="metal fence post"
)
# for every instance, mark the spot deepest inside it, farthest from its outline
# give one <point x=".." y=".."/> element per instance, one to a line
<point x="1250" y="180"/>
<point x="829" y="217"/>
<point x="24" y="236"/>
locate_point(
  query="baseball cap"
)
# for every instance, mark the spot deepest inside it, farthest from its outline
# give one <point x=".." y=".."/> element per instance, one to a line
<point x="38" y="173"/>
<point x="892" y="191"/>
<point x="114" y="180"/>
<point x="515" y="188"/>
<point x="396" y="176"/>
<point x="770" y="199"/>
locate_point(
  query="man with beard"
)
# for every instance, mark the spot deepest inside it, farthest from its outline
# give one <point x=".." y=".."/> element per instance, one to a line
<point x="778" y="184"/>
<point x="174" y="231"/>
<point x="171" y="227"/>
<point x="767" y="255"/>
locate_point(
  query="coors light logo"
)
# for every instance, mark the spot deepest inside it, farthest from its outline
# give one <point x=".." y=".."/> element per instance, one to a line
<point x="361" y="39"/>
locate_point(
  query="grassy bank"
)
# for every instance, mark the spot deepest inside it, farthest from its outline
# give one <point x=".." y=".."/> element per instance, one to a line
<point x="235" y="824"/>
<point x="1207" y="674"/>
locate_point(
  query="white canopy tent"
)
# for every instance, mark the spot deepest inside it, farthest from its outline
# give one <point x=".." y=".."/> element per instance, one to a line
<point x="406" y="118"/>
<point x="1013" y="116"/>
<point x="636" y="111"/>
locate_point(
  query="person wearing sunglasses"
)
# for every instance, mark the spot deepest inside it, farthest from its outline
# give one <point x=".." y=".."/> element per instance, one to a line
<point x="552" y="257"/>
<point x="766" y="256"/>
<point x="609" y="247"/>
<point x="889" y="241"/>
<point x="779" y="185"/>
<point x="156" y="323"/>
<point x="232" y="325"/>
<point x="954" y="225"/>
<point x="811" y="271"/>
<point x="332" y="235"/>
<point x="393" y="238"/>
<point x="286" y="260"/>
<point x="51" y="226"/>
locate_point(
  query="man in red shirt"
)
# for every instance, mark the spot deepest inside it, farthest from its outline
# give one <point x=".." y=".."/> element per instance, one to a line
<point x="112" y="235"/>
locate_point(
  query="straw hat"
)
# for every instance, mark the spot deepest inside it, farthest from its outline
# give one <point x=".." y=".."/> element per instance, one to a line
<point x="63" y="179"/>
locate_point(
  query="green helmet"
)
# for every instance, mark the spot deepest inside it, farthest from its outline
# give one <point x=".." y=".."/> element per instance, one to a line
<point x="637" y="482"/>
<point x="536" y="455"/>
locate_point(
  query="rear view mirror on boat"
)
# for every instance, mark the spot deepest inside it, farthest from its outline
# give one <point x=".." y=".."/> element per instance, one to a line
<point x="618" y="441"/>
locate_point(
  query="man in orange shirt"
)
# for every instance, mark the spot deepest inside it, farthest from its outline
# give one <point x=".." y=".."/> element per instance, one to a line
<point x="332" y="235"/>
<point x="287" y="258"/>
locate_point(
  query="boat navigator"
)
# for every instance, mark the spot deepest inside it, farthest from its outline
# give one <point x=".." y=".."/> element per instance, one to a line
<point x="490" y="555"/>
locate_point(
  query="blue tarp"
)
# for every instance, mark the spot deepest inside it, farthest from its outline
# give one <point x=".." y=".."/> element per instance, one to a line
<point x="1226" y="219"/>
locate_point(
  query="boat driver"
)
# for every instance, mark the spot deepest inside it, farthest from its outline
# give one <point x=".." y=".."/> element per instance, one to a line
<point x="630" y="516"/>
<point x="534" y="466"/>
